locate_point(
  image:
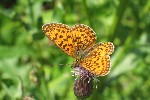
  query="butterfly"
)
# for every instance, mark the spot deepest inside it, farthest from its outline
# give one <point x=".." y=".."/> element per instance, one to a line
<point x="79" y="43"/>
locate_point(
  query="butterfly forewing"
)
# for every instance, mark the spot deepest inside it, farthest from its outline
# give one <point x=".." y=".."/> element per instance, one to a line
<point x="61" y="35"/>
<point x="73" y="40"/>
<point x="83" y="37"/>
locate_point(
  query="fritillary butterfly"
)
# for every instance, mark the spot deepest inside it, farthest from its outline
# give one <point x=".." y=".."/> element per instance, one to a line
<point x="78" y="42"/>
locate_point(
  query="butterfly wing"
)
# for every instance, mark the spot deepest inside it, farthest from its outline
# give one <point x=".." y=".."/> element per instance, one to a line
<point x="71" y="40"/>
<point x="83" y="38"/>
<point x="61" y="35"/>
<point x="97" y="60"/>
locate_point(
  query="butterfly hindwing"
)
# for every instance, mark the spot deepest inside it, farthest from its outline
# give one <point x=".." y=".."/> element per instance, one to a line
<point x="97" y="60"/>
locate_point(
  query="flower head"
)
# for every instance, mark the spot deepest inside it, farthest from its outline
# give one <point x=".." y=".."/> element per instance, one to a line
<point x="83" y="86"/>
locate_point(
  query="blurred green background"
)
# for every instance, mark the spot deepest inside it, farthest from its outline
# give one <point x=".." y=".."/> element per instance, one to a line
<point x="27" y="56"/>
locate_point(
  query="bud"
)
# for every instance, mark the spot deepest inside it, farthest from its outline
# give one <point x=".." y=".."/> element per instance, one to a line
<point x="83" y="86"/>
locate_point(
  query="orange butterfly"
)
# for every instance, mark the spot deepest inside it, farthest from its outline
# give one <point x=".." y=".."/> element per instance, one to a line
<point x="78" y="42"/>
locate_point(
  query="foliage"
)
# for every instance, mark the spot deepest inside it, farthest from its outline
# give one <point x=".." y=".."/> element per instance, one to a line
<point x="29" y="64"/>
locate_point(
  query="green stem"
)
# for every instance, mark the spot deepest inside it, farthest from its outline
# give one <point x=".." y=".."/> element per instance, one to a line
<point x="44" y="85"/>
<point x="87" y="13"/>
<point x="31" y="12"/>
<point x="117" y="20"/>
<point x="126" y="45"/>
